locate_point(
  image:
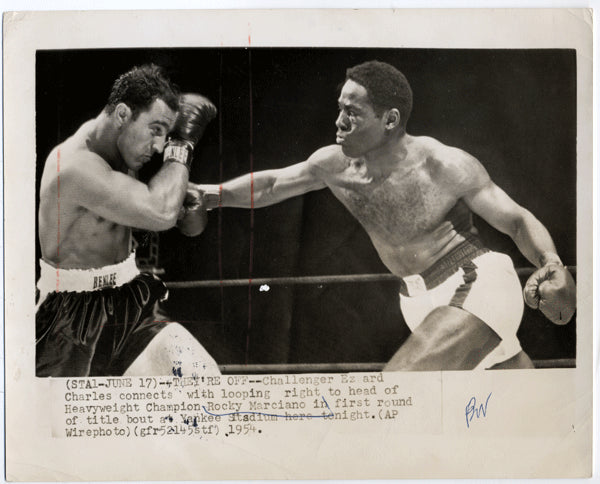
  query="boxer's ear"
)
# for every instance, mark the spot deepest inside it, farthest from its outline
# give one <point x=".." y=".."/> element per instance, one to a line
<point x="392" y="119"/>
<point x="122" y="114"/>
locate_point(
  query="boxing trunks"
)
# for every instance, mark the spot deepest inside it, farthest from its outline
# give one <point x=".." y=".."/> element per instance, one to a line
<point x="472" y="278"/>
<point x="97" y="321"/>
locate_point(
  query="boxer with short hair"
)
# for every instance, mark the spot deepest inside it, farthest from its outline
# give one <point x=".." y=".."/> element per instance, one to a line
<point x="97" y="314"/>
<point x="415" y="197"/>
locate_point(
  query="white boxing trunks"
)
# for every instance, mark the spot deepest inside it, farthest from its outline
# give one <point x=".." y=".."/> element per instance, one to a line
<point x="487" y="286"/>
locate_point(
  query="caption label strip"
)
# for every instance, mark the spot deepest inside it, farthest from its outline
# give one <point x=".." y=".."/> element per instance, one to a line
<point x="229" y="406"/>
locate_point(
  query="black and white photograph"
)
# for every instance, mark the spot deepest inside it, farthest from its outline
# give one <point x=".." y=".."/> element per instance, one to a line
<point x="266" y="233"/>
<point x="325" y="172"/>
<point x="448" y="186"/>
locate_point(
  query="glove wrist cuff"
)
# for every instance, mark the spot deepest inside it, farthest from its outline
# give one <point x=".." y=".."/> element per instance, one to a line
<point x="179" y="151"/>
<point x="213" y="198"/>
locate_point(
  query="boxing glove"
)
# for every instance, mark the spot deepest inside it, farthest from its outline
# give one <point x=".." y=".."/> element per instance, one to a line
<point x="551" y="289"/>
<point x="195" y="112"/>
<point x="192" y="216"/>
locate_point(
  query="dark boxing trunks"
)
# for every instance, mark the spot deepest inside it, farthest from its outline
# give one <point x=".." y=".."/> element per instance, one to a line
<point x="97" y="333"/>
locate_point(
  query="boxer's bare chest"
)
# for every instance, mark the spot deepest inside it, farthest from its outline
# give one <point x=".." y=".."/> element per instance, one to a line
<point x="85" y="240"/>
<point x="397" y="207"/>
<point x="95" y="241"/>
<point x="71" y="234"/>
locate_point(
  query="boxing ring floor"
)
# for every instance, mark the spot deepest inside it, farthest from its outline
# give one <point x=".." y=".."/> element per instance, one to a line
<point x="282" y="368"/>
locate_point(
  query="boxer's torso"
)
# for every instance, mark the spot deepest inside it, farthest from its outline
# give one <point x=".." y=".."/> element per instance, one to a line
<point x="72" y="236"/>
<point x="399" y="207"/>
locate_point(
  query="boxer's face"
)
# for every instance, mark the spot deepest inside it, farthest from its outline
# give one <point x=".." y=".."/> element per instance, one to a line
<point x="359" y="128"/>
<point x="142" y="137"/>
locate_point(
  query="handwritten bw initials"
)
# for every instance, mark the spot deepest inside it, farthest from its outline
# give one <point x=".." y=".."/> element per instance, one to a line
<point x="472" y="410"/>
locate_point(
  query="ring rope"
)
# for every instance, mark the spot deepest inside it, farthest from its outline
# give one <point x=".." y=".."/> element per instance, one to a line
<point x="273" y="368"/>
<point x="332" y="279"/>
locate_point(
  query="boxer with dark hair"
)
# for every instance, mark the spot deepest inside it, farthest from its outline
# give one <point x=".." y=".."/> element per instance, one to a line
<point x="415" y="197"/>
<point x="97" y="313"/>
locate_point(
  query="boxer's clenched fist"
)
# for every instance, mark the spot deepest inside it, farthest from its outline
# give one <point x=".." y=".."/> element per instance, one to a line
<point x="551" y="289"/>
<point x="210" y="194"/>
<point x="192" y="216"/>
<point x="195" y="112"/>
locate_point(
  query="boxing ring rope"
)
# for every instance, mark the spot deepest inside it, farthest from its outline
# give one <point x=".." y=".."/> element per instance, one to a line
<point x="330" y="279"/>
<point x="277" y="368"/>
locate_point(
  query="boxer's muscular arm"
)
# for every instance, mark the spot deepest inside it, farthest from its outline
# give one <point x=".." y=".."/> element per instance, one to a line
<point x="268" y="187"/>
<point x="91" y="183"/>
<point x="490" y="202"/>
<point x="551" y="288"/>
<point x="503" y="213"/>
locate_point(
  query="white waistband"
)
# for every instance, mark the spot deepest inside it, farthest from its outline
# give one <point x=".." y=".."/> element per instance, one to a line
<point x="507" y="349"/>
<point x="54" y="279"/>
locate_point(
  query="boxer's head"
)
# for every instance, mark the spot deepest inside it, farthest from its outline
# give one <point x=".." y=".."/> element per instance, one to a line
<point x="375" y="103"/>
<point x="142" y="105"/>
<point x="386" y="87"/>
<point x="140" y="87"/>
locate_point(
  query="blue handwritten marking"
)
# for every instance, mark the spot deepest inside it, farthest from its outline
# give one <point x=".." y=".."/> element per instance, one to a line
<point x="331" y="414"/>
<point x="471" y="410"/>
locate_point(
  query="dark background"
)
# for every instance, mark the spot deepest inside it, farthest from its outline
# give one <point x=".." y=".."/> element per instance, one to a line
<point x="515" y="110"/>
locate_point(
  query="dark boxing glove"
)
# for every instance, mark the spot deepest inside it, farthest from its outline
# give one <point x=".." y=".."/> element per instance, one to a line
<point x="551" y="289"/>
<point x="195" y="112"/>
<point x="192" y="216"/>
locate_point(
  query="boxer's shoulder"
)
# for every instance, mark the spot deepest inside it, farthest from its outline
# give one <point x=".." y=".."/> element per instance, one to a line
<point x="75" y="170"/>
<point x="448" y="164"/>
<point x="328" y="159"/>
<point x="80" y="161"/>
<point x="59" y="162"/>
<point x="434" y="152"/>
